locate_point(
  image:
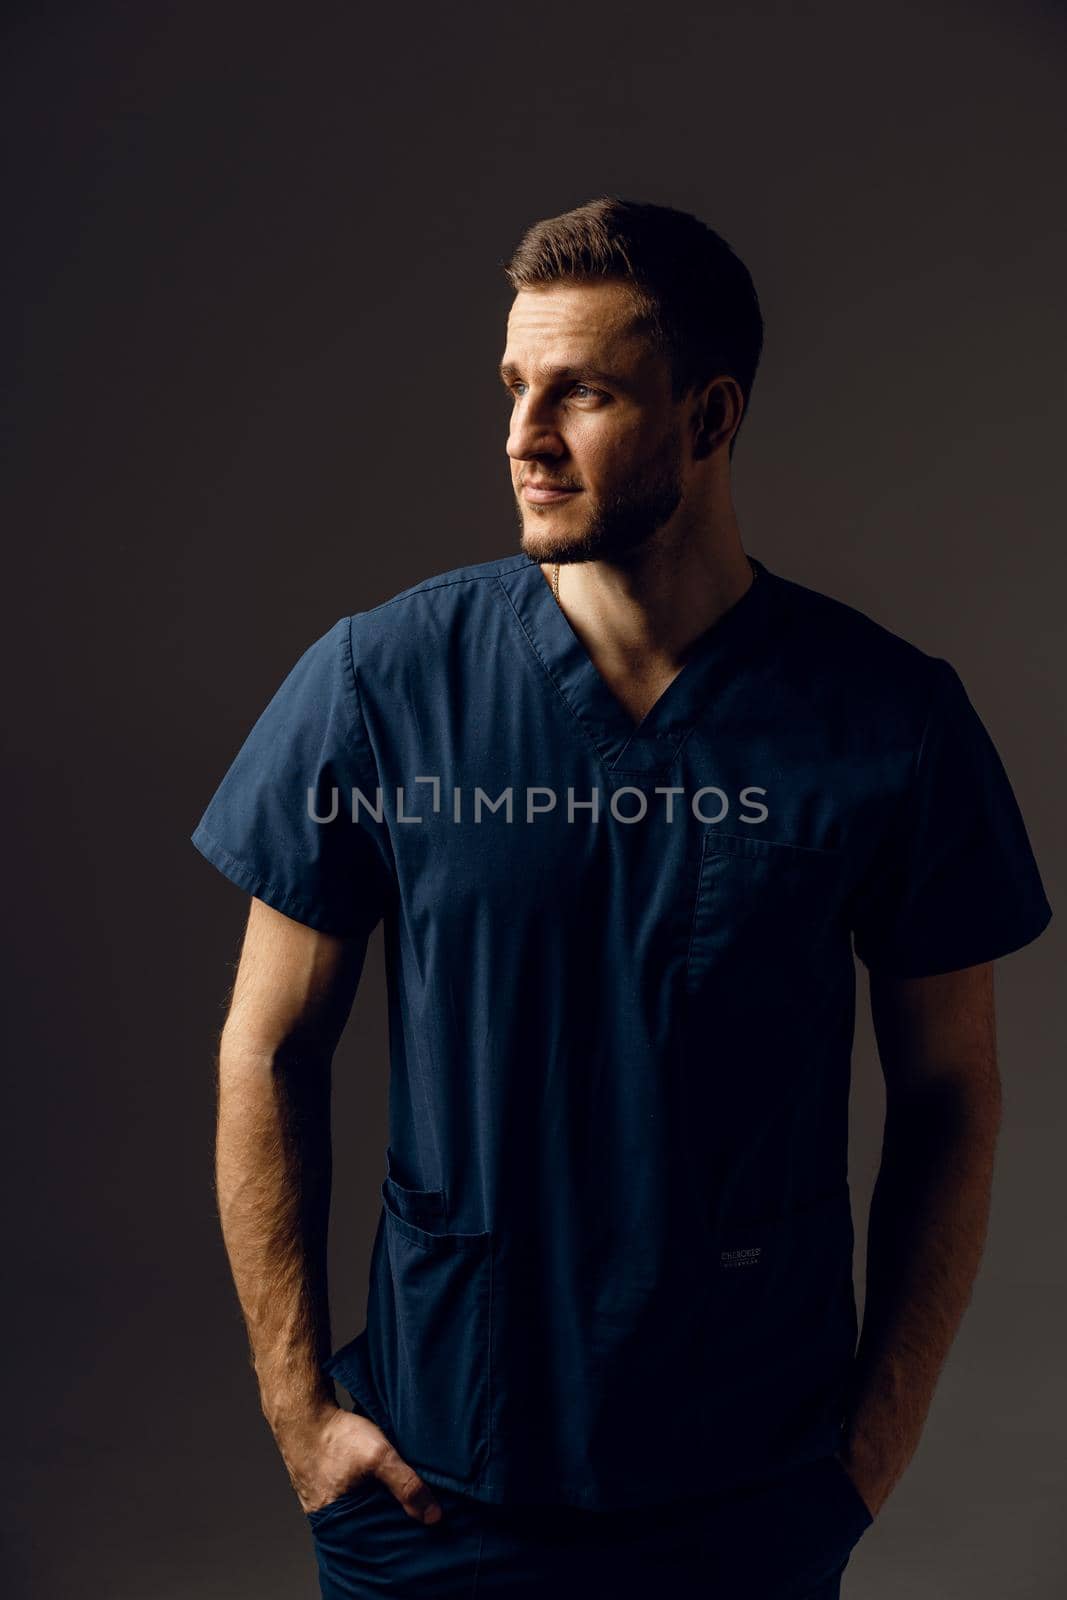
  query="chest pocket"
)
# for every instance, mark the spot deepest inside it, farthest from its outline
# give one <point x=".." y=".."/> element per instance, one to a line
<point x="766" y="916"/>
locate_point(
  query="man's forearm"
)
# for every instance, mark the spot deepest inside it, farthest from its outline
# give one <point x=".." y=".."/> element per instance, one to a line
<point x="273" y="1189"/>
<point x="928" y="1221"/>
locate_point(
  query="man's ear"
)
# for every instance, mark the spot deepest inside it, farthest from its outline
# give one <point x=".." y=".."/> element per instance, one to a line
<point x="716" y="414"/>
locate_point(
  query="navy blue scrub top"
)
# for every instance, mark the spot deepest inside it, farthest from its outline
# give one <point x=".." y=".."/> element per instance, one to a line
<point x="613" y="1264"/>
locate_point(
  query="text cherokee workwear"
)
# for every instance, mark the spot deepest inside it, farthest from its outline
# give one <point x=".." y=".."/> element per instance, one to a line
<point x="613" y="1264"/>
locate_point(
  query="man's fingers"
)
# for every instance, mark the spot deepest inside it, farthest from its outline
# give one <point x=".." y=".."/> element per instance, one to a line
<point x="416" y="1497"/>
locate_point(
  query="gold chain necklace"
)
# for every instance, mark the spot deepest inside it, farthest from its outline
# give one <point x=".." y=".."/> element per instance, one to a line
<point x="555" y="582"/>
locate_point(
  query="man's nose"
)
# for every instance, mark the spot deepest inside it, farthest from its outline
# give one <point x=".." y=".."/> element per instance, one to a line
<point x="532" y="433"/>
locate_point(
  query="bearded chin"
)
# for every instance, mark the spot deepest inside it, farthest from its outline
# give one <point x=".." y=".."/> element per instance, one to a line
<point x="616" y="525"/>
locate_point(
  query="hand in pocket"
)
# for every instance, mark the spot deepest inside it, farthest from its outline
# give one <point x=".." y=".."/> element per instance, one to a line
<point x="336" y="1453"/>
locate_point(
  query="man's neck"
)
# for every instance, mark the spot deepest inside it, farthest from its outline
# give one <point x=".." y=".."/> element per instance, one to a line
<point x="638" y="619"/>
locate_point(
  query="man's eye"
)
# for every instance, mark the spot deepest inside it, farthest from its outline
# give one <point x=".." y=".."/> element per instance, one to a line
<point x="513" y="389"/>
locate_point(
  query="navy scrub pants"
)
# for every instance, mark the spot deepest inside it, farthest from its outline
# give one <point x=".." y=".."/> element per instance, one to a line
<point x="786" y="1540"/>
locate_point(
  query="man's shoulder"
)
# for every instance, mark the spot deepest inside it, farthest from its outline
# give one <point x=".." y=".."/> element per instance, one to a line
<point x="839" y="653"/>
<point x="438" y="595"/>
<point x="845" y="628"/>
<point x="454" y="585"/>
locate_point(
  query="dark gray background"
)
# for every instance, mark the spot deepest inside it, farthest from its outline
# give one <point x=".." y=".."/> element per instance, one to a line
<point x="252" y="275"/>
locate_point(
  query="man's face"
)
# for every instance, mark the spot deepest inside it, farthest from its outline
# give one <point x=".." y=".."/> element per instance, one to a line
<point x="592" y="414"/>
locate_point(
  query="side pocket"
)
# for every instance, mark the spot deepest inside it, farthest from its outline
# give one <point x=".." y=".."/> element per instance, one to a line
<point x="351" y="1500"/>
<point x="436" y="1357"/>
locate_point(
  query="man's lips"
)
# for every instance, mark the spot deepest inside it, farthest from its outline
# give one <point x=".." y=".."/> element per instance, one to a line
<point x="545" y="491"/>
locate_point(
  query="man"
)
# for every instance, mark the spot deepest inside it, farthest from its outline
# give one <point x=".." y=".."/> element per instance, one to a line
<point x="625" y="803"/>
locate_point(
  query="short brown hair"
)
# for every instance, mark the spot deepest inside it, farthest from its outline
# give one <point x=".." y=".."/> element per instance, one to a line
<point x="694" y="296"/>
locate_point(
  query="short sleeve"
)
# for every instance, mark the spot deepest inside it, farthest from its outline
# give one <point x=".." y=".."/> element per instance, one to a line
<point x="281" y="823"/>
<point x="955" y="883"/>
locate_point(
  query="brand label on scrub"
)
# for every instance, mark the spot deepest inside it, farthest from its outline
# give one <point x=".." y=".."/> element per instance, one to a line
<point x="740" y="1258"/>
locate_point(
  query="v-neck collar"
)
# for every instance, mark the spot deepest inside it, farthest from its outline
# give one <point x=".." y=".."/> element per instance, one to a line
<point x="651" y="746"/>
